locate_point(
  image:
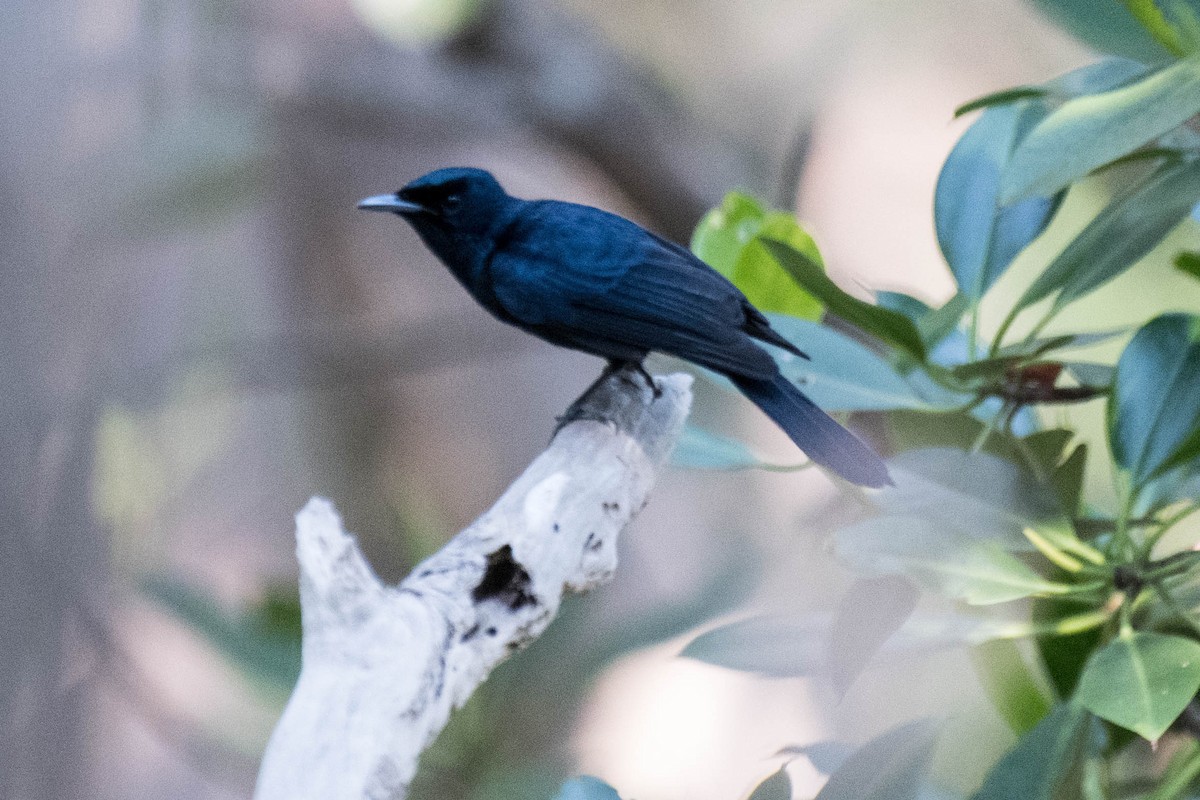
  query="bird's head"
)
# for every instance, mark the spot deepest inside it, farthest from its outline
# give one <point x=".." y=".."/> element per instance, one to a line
<point x="457" y="200"/>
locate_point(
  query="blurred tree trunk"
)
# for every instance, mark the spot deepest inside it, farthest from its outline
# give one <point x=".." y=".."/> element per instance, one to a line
<point x="51" y="559"/>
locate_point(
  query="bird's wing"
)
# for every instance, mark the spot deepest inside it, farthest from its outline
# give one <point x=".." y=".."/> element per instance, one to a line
<point x="591" y="274"/>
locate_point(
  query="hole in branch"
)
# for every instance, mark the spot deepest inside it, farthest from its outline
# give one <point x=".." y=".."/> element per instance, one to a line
<point x="505" y="581"/>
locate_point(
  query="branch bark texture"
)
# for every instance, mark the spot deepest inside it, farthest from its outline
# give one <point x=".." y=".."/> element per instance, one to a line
<point x="383" y="666"/>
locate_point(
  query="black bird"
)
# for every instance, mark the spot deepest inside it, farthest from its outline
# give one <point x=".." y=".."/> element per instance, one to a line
<point x="586" y="279"/>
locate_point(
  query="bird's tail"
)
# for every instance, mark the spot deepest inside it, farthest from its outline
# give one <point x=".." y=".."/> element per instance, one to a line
<point x="815" y="432"/>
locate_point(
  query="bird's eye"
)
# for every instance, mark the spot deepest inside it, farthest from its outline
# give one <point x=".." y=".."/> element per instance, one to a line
<point x="452" y="202"/>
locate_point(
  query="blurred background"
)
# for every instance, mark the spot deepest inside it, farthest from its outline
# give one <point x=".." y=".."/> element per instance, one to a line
<point x="200" y="331"/>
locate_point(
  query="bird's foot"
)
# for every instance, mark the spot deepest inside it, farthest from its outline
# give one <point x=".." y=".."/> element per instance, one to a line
<point x="627" y="367"/>
<point x="576" y="413"/>
<point x="592" y="404"/>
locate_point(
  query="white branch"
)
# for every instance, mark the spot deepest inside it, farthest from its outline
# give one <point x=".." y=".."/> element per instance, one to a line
<point x="383" y="666"/>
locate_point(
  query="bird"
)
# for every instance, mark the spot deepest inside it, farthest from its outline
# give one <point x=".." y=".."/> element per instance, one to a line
<point x="586" y="279"/>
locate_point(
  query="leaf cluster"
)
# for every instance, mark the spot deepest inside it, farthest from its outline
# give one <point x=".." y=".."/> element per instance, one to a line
<point x="990" y="507"/>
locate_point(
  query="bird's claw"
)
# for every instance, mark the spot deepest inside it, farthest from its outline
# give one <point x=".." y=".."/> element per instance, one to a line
<point x="624" y="368"/>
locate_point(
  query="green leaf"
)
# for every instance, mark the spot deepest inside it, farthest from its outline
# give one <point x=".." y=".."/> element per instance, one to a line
<point x="1047" y="447"/>
<point x="1049" y="344"/>
<point x="1107" y="26"/>
<point x="262" y="645"/>
<point x="1173" y="485"/>
<point x="702" y="449"/>
<point x="1188" y="262"/>
<point x="1112" y="123"/>
<point x="1001" y="98"/>
<point x="934" y="324"/>
<point x="907" y="305"/>
<point x="1067" y="480"/>
<point x="1047" y="763"/>
<point x="913" y="430"/>
<point x="776" y="787"/>
<point x="891" y="766"/>
<point x="890" y="326"/>
<point x="724" y="240"/>
<point x="1009" y="683"/>
<point x="941" y="322"/>
<point x="1090" y="374"/>
<point x="1141" y="681"/>
<point x="585" y="787"/>
<point x="988" y="497"/>
<point x="1127" y="229"/>
<point x="1155" y="408"/>
<point x="1063" y="656"/>
<point x="941" y="558"/>
<point x="842" y="375"/>
<point x="771" y="646"/>
<point x="870" y="611"/>
<point x="1152" y="18"/>
<point x="978" y="236"/>
<point x="1101" y="76"/>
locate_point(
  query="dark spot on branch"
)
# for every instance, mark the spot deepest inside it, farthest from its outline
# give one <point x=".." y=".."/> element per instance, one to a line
<point x="470" y="633"/>
<point x="612" y="507"/>
<point x="492" y="631"/>
<point x="556" y="527"/>
<point x="505" y="581"/>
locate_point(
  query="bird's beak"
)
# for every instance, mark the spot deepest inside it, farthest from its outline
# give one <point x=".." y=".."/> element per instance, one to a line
<point x="393" y="203"/>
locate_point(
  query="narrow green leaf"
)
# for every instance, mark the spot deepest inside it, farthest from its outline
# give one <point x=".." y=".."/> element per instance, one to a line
<point x="777" y="786"/>
<point x="1049" y="344"/>
<point x="842" y="375"/>
<point x="978" y="236"/>
<point x="940" y="558"/>
<point x="1141" y="681"/>
<point x="724" y="240"/>
<point x="1047" y="763"/>
<point x="1112" y="123"/>
<point x="891" y="766"/>
<point x="1155" y="408"/>
<point x="1126" y="230"/>
<point x="890" y="326"/>
<point x="1157" y="25"/>
<point x="1164" y="155"/>
<point x="1001" y="98"/>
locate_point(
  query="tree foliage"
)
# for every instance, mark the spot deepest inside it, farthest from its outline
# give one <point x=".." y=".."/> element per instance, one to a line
<point x="993" y="506"/>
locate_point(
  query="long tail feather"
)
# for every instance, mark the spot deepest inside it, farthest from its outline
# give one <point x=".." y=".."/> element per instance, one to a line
<point x="815" y="432"/>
